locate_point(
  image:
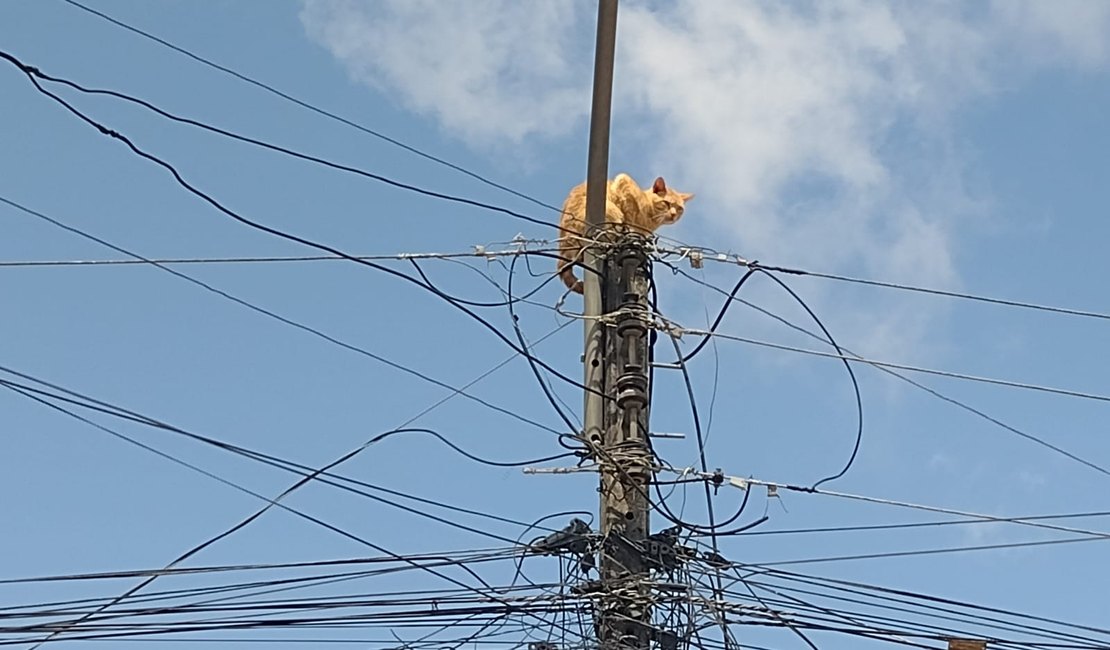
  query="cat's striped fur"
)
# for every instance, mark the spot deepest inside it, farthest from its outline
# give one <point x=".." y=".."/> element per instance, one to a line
<point x="643" y="210"/>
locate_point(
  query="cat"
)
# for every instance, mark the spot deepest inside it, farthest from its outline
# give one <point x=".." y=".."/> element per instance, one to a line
<point x="644" y="210"/>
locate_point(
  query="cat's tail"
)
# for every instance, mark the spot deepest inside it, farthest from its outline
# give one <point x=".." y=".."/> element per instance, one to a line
<point x="567" y="274"/>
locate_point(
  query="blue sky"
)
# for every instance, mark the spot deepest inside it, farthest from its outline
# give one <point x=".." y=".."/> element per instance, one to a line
<point x="956" y="146"/>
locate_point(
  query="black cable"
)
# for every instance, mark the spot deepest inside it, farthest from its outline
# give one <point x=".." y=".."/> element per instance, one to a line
<point x="939" y="613"/>
<point x="32" y="74"/>
<point x="916" y="384"/>
<point x="282" y="319"/>
<point x="327" y="478"/>
<point x="474" y="303"/>
<point x="662" y="508"/>
<point x="304" y="104"/>
<point x="941" y="292"/>
<point x="269" y="608"/>
<point x="233" y="529"/>
<point x="786" y="622"/>
<point x="32" y="71"/>
<point x="243" y="523"/>
<point x="847" y="366"/>
<point x="287" y="584"/>
<point x="921" y="524"/>
<point x="720" y="315"/>
<point x="531" y="364"/>
<point x="913" y="627"/>
<point x="716" y="578"/>
<point x="123" y="413"/>
<point x="296" y="468"/>
<point x="518" y="571"/>
<point x="716" y="378"/>
<point x="216" y="568"/>
<point x="754" y="267"/>
<point x="934" y="551"/>
<point x="264" y="259"/>
<point x="713" y="526"/>
<point x="885" y="594"/>
<point x="409" y="618"/>
<point x="701" y="442"/>
<point x="851" y="619"/>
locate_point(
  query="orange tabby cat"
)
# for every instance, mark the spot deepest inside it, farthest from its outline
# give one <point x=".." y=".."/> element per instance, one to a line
<point x="644" y="210"/>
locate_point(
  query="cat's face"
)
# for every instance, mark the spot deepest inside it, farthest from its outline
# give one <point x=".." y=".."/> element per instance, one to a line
<point x="668" y="204"/>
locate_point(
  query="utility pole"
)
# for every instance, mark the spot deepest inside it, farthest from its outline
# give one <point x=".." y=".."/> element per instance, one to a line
<point x="616" y="364"/>
<point x="597" y="173"/>
<point x="624" y="616"/>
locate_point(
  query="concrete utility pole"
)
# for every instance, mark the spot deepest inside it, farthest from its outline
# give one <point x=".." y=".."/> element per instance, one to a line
<point x="616" y="364"/>
<point x="624" y="618"/>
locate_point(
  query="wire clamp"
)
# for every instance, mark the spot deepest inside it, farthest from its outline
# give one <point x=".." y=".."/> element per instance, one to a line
<point x="737" y="482"/>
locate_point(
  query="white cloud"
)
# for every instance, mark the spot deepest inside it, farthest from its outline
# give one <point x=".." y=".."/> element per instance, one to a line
<point x="485" y="69"/>
<point x="815" y="134"/>
<point x="1067" y="30"/>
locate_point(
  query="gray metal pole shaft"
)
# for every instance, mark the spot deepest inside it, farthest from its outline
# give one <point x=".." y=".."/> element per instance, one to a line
<point x="615" y="365"/>
<point x="597" y="173"/>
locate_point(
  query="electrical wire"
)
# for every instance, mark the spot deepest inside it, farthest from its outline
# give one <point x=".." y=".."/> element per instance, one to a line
<point x="246" y="521"/>
<point x="547" y="391"/>
<point x="819" y="275"/>
<point x="264" y="587"/>
<point x="716" y="373"/>
<point x="720" y="315"/>
<point x="847" y="366"/>
<point x="716" y="579"/>
<point x="301" y="470"/>
<point x="746" y="483"/>
<point x="198" y="548"/>
<point x="727" y="258"/>
<point x="932" y="551"/>
<point x="33" y="74"/>
<point x="281" y="319"/>
<point x="754" y="267"/>
<point x="920" y="524"/>
<point x="482" y="253"/>
<point x="916" y="384"/>
<point x="886" y="595"/>
<point x="913" y="605"/>
<point x="475" y="303"/>
<point x="215" y="568"/>
<point x="305" y="104"/>
<point x="901" y="366"/>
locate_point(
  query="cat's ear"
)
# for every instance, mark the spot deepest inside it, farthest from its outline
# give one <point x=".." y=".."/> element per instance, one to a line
<point x="686" y="197"/>
<point x="660" y="186"/>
